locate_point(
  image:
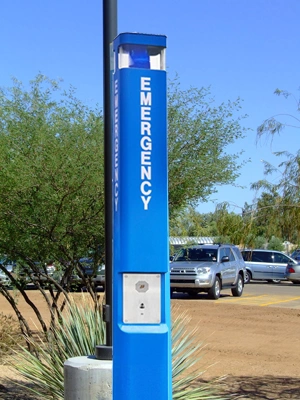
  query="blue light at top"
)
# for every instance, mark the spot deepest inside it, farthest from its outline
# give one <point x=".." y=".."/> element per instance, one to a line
<point x="138" y="57"/>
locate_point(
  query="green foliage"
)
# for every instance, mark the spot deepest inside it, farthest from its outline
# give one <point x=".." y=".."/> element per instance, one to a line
<point x="199" y="133"/>
<point x="273" y="125"/>
<point x="266" y="212"/>
<point x="286" y="211"/>
<point x="260" y="242"/>
<point x="79" y="330"/>
<point x="223" y="239"/>
<point x="255" y="242"/>
<point x="189" y="222"/>
<point x="277" y="211"/>
<point x="275" y="244"/>
<point x="51" y="184"/>
<point x="230" y="225"/>
<point x="51" y="161"/>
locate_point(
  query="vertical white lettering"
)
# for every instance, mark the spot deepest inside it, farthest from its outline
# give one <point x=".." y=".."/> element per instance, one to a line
<point x="145" y="128"/>
<point x="145" y="84"/>
<point x="146" y="99"/>
<point x="146" y="201"/>
<point x="146" y="173"/>
<point x="116" y="145"/>
<point x="145" y="157"/>
<point x="143" y="188"/>
<point x="145" y="113"/>
<point x="146" y="142"/>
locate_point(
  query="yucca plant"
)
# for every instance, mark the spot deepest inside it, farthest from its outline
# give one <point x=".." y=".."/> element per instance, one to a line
<point x="80" y="329"/>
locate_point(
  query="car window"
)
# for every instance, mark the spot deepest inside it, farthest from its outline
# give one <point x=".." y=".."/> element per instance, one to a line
<point x="222" y="253"/>
<point x="262" y="256"/>
<point x="181" y="255"/>
<point x="197" y="254"/>
<point x="247" y="255"/>
<point x="231" y="257"/>
<point x="281" y="258"/>
<point x="202" y="254"/>
<point x="229" y="254"/>
<point x="237" y="253"/>
<point x="295" y="253"/>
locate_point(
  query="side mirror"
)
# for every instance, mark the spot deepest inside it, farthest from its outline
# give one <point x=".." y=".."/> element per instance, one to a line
<point x="171" y="258"/>
<point x="225" y="259"/>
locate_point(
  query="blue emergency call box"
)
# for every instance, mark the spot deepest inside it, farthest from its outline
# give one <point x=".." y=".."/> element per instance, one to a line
<point x="141" y="280"/>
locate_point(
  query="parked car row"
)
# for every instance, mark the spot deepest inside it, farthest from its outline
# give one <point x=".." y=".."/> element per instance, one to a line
<point x="40" y="273"/>
<point x="210" y="268"/>
<point x="198" y="268"/>
<point x="91" y="271"/>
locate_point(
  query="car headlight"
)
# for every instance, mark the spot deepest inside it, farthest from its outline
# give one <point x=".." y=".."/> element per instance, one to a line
<point x="203" y="270"/>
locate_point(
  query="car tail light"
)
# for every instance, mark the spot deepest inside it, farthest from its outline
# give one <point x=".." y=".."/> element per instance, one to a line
<point x="290" y="270"/>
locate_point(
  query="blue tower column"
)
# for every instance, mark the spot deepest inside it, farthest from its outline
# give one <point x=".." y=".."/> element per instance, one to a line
<point x="141" y="281"/>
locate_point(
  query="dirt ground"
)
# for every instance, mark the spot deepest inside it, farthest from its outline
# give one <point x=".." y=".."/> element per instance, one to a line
<point x="258" y="349"/>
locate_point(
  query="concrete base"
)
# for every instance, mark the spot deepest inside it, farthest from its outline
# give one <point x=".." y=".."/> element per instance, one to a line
<point x="86" y="378"/>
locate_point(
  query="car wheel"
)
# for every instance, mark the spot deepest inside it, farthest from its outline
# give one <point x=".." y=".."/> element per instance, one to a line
<point x="274" y="281"/>
<point x="248" y="276"/>
<point x="237" y="291"/>
<point x="171" y="293"/>
<point x="295" y="282"/>
<point x="215" y="291"/>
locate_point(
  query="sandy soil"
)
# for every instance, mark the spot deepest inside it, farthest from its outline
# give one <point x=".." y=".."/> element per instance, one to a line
<point x="257" y="348"/>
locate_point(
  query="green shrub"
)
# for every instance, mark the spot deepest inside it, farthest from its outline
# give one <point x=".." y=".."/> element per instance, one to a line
<point x="275" y="244"/>
<point x="82" y="328"/>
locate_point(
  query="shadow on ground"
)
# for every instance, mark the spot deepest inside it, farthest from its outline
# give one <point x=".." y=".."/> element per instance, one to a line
<point x="13" y="389"/>
<point x="261" y="387"/>
<point x="241" y="387"/>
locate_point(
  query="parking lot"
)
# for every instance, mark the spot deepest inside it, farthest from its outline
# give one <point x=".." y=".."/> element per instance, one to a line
<point x="262" y="294"/>
<point x="254" y="339"/>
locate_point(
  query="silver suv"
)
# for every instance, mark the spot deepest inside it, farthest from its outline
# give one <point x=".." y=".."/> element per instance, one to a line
<point x="208" y="268"/>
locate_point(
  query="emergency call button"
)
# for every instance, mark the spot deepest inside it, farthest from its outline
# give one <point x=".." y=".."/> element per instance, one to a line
<point x="142" y="286"/>
<point x="141" y="298"/>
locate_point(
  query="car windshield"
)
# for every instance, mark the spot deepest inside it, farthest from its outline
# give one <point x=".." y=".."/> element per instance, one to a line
<point x="197" y="254"/>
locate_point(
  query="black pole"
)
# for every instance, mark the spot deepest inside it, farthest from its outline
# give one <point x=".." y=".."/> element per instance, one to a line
<point x="109" y="33"/>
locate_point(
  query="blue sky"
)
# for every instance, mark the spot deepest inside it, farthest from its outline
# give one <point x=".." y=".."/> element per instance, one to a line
<point x="240" y="48"/>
